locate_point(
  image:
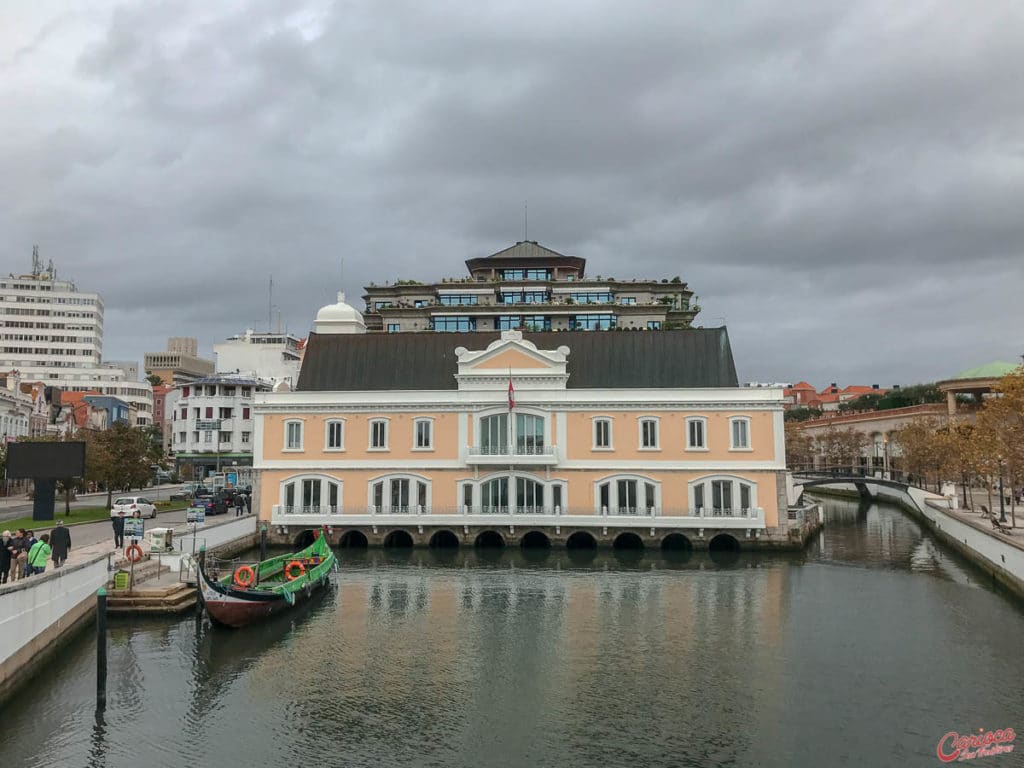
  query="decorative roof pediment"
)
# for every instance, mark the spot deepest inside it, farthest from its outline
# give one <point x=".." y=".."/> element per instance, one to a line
<point x="512" y="356"/>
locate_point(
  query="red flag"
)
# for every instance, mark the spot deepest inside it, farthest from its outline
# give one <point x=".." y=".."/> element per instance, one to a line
<point x="511" y="392"/>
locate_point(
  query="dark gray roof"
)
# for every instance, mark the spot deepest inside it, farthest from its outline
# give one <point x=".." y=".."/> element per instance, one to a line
<point x="527" y="249"/>
<point x="698" y="357"/>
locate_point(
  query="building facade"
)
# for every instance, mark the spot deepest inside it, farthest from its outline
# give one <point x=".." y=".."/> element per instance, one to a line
<point x="271" y="357"/>
<point x="212" y="424"/>
<point x="179" y="364"/>
<point x="592" y="435"/>
<point x="53" y="333"/>
<point x="530" y="287"/>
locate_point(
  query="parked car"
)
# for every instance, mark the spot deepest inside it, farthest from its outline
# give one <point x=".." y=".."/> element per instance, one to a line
<point x="131" y="503"/>
<point x="215" y="504"/>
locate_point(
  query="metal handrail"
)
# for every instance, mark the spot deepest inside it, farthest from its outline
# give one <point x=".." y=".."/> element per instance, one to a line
<point x="512" y="450"/>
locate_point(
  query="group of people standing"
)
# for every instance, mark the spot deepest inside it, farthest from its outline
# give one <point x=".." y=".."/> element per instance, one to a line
<point x="22" y="554"/>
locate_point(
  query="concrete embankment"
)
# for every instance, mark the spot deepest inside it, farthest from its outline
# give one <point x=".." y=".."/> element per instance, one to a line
<point x="999" y="555"/>
<point x="40" y="613"/>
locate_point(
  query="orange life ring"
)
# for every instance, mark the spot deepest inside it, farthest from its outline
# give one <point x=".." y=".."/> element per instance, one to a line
<point x="290" y="567"/>
<point x="244" y="576"/>
<point x="133" y="553"/>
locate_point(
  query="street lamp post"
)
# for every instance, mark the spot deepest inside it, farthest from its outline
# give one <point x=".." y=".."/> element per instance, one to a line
<point x="885" y="458"/>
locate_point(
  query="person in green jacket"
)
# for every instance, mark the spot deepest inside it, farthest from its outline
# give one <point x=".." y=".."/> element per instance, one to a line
<point x="39" y="554"/>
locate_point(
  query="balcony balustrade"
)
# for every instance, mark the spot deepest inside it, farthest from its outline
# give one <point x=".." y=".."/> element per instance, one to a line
<point x="519" y="515"/>
<point x="511" y="454"/>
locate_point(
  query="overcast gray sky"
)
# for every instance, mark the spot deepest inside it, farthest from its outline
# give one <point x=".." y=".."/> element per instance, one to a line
<point x="841" y="183"/>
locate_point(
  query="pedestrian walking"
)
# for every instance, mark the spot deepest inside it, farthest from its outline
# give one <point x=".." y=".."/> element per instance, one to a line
<point x="30" y="541"/>
<point x="17" y="549"/>
<point x="5" y="556"/>
<point x="239" y="504"/>
<point x="118" y="523"/>
<point x="39" y="554"/>
<point x="60" y="542"/>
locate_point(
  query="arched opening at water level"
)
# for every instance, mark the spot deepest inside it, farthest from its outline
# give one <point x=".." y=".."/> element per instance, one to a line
<point x="535" y="540"/>
<point x="489" y="539"/>
<point x="628" y="540"/>
<point x="723" y="542"/>
<point x="581" y="540"/>
<point x="444" y="540"/>
<point x="398" y="540"/>
<point x="304" y="539"/>
<point x="353" y="540"/>
<point x="676" y="542"/>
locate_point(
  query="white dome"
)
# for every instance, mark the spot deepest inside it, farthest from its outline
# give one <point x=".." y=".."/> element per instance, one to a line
<point x="339" y="318"/>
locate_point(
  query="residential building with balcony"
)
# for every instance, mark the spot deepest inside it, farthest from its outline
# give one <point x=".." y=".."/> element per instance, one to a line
<point x="507" y="433"/>
<point x="530" y="287"/>
<point x="212" y="423"/>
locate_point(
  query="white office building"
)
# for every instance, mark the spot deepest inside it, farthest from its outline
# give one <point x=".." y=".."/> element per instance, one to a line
<point x="273" y="357"/>
<point x="53" y="333"/>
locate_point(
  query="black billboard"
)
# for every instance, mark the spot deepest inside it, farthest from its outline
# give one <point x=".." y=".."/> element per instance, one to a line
<point x="43" y="461"/>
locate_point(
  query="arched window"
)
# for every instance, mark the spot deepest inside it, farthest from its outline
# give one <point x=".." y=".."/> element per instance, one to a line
<point x="399" y="494"/>
<point x="494" y="434"/>
<point x="627" y="495"/>
<point x="514" y="493"/>
<point x="722" y="496"/>
<point x="311" y="495"/>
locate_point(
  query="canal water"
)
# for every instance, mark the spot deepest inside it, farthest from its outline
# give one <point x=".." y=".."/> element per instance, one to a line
<point x="865" y="650"/>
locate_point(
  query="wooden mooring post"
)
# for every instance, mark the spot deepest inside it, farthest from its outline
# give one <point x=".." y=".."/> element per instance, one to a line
<point x="101" y="648"/>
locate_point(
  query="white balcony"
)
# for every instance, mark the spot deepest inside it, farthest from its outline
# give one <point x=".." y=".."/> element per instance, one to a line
<point x="737" y="519"/>
<point x="545" y="455"/>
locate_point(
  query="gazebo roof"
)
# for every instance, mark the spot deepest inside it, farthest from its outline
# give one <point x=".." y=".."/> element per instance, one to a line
<point x="993" y="370"/>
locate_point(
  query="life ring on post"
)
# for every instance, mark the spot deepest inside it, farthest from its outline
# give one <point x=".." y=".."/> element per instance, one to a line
<point x="244" y="576"/>
<point x="289" y="570"/>
<point x="133" y="553"/>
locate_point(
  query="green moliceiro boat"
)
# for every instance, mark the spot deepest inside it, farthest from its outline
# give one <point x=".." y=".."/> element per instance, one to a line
<point x="251" y="593"/>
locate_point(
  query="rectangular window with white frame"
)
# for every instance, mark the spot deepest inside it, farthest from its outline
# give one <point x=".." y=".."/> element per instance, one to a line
<point x="739" y="432"/>
<point x="293" y="436"/>
<point x="649" y="434"/>
<point x="424" y="435"/>
<point x="335" y="436"/>
<point x="378" y="435"/>
<point x="696" y="434"/>
<point x="602" y="434"/>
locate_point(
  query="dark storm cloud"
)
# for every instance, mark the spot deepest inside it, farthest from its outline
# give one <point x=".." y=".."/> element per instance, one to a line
<point x="840" y="183"/>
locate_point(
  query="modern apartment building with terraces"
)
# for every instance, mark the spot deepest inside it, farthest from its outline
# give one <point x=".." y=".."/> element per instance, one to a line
<point x="530" y="287"/>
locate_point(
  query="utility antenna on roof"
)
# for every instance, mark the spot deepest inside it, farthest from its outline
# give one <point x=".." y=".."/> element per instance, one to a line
<point x="526" y="222"/>
<point x="270" y="304"/>
<point x="37" y="263"/>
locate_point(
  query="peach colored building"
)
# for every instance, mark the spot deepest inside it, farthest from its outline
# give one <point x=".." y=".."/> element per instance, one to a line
<point x="447" y="437"/>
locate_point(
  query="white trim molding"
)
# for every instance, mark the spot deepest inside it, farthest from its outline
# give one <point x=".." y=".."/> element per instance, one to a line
<point x="605" y="419"/>
<point x="703" y="421"/>
<point x="327" y="435"/>
<point x="641" y="421"/>
<point x="733" y="421"/>
<point x="288" y="424"/>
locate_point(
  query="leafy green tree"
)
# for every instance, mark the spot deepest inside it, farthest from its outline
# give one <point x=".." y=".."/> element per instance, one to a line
<point x="802" y="414"/>
<point x="154" y="380"/>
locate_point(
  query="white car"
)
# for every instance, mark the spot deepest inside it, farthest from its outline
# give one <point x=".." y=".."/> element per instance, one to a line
<point x="131" y="503"/>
